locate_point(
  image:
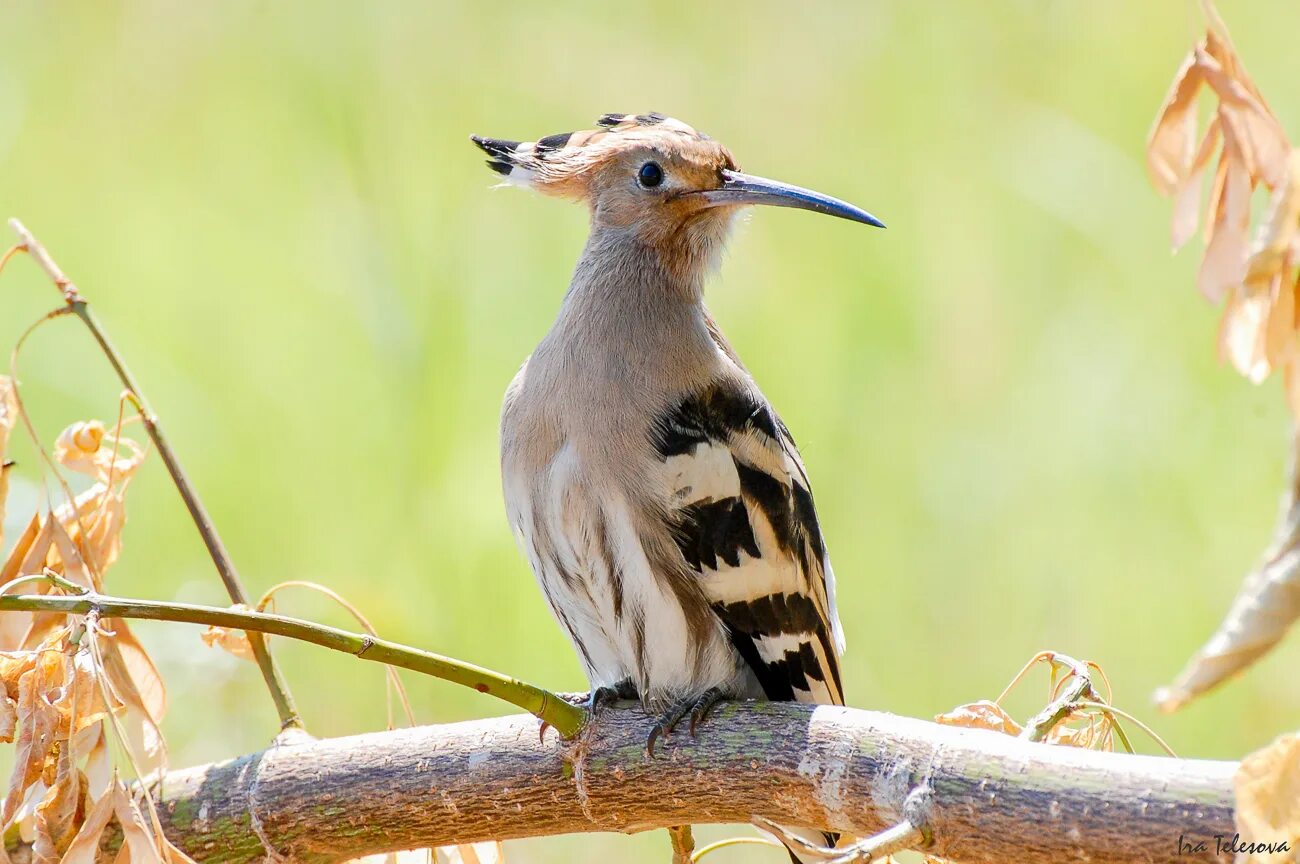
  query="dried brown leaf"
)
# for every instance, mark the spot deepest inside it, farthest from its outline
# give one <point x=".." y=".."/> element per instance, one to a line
<point x="1273" y="245"/>
<point x="1267" y="787"/>
<point x="38" y="721"/>
<point x="1279" y="329"/>
<point x="98" y="766"/>
<point x="8" y="416"/>
<point x="8" y="718"/>
<point x="980" y="715"/>
<point x="143" y="714"/>
<point x="66" y="559"/>
<point x="1242" y="331"/>
<point x="1224" y="265"/>
<point x="1265" y="606"/>
<point x="1187" y="195"/>
<point x="56" y="814"/>
<point x="139" y="669"/>
<point x="27" y="556"/>
<point x="84" y="848"/>
<point x="1086" y="737"/>
<point x="233" y="641"/>
<point x="138" y="846"/>
<point x="86" y="448"/>
<point x="1256" y="133"/>
<point x="1291" y="371"/>
<point x="1172" y="139"/>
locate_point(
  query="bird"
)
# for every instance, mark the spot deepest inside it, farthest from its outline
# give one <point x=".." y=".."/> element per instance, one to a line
<point x="660" y="500"/>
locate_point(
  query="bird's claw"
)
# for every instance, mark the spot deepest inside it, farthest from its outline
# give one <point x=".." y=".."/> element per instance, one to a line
<point x="595" y="701"/>
<point x="696" y="708"/>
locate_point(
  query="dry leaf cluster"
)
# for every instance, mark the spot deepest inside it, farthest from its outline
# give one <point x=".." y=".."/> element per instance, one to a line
<point x="1255" y="280"/>
<point x="75" y="684"/>
<point x="1075" y="715"/>
<point x="1267" y="787"/>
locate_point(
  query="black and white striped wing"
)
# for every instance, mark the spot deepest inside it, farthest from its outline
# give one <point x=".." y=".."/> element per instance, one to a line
<point x="744" y="521"/>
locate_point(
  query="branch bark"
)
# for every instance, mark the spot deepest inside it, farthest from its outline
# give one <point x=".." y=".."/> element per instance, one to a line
<point x="991" y="798"/>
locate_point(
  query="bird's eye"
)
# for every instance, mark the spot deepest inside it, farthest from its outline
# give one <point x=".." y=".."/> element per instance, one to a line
<point x="650" y="175"/>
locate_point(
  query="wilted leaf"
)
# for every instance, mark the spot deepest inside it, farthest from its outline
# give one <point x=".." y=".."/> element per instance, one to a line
<point x="230" y="640"/>
<point x="86" y="448"/>
<point x="141" y="725"/>
<point x="1258" y="137"/>
<point x="1265" y="606"/>
<point x="1278" y="231"/>
<point x="1267" y="786"/>
<point x="27" y="556"/>
<point x="1242" y="331"/>
<point x="139" y="669"/>
<point x="138" y="844"/>
<point x="57" y="812"/>
<point x="84" y="848"/>
<point x="8" y="416"/>
<point x="1224" y="264"/>
<point x="980" y="715"/>
<point x="99" y="767"/>
<point x="1087" y="736"/>
<point x="1187" y="195"/>
<point x="1173" y="137"/>
<point x="38" y="721"/>
<point x="8" y="718"/>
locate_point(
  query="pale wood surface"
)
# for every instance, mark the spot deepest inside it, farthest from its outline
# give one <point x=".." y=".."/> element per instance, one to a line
<point x="990" y="798"/>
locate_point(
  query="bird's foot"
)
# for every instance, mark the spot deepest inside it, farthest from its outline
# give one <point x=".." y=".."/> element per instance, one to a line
<point x="696" y="708"/>
<point x="604" y="696"/>
<point x="596" y="700"/>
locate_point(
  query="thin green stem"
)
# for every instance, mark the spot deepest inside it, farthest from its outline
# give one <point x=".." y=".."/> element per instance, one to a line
<point x="566" y="718"/>
<point x="279" y="689"/>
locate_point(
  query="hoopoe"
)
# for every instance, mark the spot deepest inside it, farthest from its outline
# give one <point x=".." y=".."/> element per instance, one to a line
<point x="659" y="498"/>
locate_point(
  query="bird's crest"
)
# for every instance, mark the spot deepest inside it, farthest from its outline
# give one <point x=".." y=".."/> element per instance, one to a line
<point x="549" y="163"/>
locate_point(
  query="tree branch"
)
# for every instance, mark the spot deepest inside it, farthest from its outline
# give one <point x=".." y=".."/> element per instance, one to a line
<point x="992" y="798"/>
<point x="566" y="718"/>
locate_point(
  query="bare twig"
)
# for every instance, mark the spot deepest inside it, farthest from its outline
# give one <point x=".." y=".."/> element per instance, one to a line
<point x="1076" y="687"/>
<point x="995" y="798"/>
<point x="683" y="842"/>
<point x="566" y="718"/>
<point x="279" y="689"/>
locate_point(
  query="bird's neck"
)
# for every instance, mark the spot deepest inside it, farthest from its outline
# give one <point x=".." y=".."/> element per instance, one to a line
<point x="628" y="312"/>
<point x="622" y="261"/>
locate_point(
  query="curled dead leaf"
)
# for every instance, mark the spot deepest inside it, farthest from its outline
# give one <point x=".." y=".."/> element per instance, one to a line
<point x="84" y="848"/>
<point x="1267" y="788"/>
<point x="1172" y="139"/>
<point x="232" y="641"/>
<point x="980" y="715"/>
<point x="8" y="416"/>
<point x="87" y="448"/>
<point x="1264" y="608"/>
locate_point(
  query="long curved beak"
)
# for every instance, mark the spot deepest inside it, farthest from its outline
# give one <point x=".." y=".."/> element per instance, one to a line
<point x="739" y="189"/>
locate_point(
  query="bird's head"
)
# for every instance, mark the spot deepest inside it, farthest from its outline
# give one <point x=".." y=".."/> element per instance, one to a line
<point x="654" y="177"/>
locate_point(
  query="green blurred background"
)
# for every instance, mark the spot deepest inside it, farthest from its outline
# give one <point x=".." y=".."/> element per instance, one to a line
<point x="1009" y="402"/>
